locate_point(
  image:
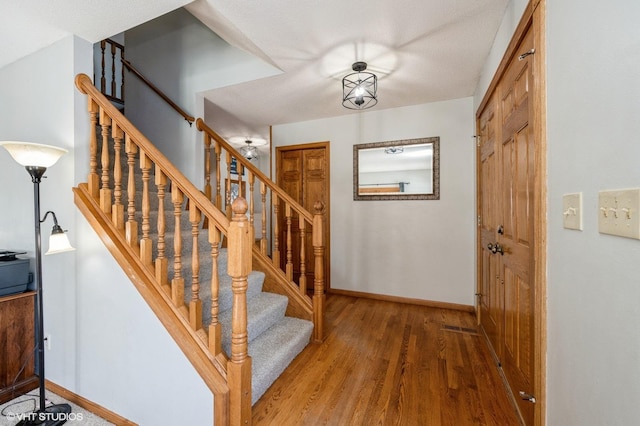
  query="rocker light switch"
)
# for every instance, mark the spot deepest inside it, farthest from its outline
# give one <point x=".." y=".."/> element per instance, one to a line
<point x="572" y="211"/>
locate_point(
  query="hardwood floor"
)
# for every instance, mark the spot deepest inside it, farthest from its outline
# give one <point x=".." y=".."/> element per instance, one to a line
<point x="385" y="363"/>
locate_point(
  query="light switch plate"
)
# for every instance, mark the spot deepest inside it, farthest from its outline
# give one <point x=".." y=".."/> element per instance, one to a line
<point x="619" y="212"/>
<point x="572" y="211"/>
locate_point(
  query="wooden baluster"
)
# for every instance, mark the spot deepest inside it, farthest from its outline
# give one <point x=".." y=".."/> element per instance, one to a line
<point x="161" y="260"/>
<point x="94" y="179"/>
<point x="289" y="266"/>
<point x="131" y="227"/>
<point x="177" y="283"/>
<point x="207" y="166"/>
<point x="227" y="188"/>
<point x="117" y="210"/>
<point x="250" y="182"/>
<point x="195" y="305"/>
<point x="113" y="70"/>
<point x="103" y="80"/>
<point x="302" y="281"/>
<point x="105" y="190"/>
<point x="207" y="174"/>
<point x="239" y="367"/>
<point x="146" y="244"/>
<point x="263" y="231"/>
<point x="318" y="272"/>
<point x="276" y="233"/>
<point x="215" y="328"/>
<point x="121" y="74"/>
<point x="218" y="200"/>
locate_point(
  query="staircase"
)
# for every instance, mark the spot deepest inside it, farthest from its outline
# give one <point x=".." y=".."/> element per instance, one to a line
<point x="274" y="339"/>
<point x="237" y="315"/>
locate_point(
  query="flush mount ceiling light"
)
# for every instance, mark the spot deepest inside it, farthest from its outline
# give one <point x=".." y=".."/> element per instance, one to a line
<point x="359" y="88"/>
<point x="250" y="152"/>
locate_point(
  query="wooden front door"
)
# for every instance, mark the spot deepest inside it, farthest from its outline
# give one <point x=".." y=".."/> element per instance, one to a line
<point x="509" y="184"/>
<point x="303" y="172"/>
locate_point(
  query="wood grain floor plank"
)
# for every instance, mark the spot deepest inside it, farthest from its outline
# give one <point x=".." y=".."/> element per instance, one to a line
<point x="385" y="363"/>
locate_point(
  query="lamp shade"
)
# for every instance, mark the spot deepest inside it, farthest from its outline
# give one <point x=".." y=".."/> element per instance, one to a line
<point x="58" y="241"/>
<point x="33" y="154"/>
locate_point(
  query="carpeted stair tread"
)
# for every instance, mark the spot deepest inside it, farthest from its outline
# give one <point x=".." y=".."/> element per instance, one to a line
<point x="273" y="351"/>
<point x="263" y="311"/>
<point x="225" y="293"/>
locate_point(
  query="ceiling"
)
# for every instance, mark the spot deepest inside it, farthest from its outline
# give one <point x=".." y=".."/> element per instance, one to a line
<point x="422" y="50"/>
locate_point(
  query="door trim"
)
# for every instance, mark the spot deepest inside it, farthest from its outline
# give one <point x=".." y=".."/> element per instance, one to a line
<point x="327" y="208"/>
<point x="534" y="17"/>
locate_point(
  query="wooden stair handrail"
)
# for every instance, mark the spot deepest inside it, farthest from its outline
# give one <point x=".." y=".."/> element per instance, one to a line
<point x="190" y="119"/>
<point x="85" y="85"/>
<point x="202" y="126"/>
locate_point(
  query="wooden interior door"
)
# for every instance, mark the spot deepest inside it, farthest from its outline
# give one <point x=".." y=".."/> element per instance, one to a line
<point x="490" y="289"/>
<point x="303" y="172"/>
<point x="507" y="202"/>
<point x="517" y="263"/>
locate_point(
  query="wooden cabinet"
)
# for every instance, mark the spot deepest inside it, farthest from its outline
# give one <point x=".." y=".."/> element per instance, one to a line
<point x="17" y="345"/>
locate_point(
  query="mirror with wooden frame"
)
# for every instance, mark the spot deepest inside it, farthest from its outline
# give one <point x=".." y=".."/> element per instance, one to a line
<point x="397" y="170"/>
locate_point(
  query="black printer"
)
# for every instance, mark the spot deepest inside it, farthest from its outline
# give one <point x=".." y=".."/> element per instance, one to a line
<point x="14" y="272"/>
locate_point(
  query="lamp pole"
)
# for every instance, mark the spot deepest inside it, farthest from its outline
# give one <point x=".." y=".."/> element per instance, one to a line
<point x="36" y="177"/>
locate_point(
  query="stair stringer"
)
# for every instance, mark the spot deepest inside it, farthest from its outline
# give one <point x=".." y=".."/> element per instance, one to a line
<point x="211" y="369"/>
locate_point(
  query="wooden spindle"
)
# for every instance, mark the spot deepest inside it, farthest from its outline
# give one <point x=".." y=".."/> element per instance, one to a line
<point x="250" y="181"/>
<point x="227" y="188"/>
<point x="117" y="210"/>
<point x="105" y="190"/>
<point x="177" y="283"/>
<point x="318" y="272"/>
<point x="161" y="259"/>
<point x="302" y="281"/>
<point x="276" y="233"/>
<point x="103" y="80"/>
<point x="121" y="74"/>
<point x="207" y="166"/>
<point x="215" y="328"/>
<point x="146" y="244"/>
<point x="218" y="199"/>
<point x="195" y="305"/>
<point x="263" y="225"/>
<point x="94" y="179"/>
<point x="289" y="266"/>
<point x="239" y="367"/>
<point x="113" y="70"/>
<point x="131" y="227"/>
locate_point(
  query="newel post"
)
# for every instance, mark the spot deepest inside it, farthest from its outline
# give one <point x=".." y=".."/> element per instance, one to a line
<point x="318" y="272"/>
<point x="239" y="267"/>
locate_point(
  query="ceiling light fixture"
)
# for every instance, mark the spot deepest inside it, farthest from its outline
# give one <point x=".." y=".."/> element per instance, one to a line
<point x="359" y="89"/>
<point x="250" y="152"/>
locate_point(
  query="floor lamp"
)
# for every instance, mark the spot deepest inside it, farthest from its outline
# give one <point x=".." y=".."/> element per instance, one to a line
<point x="36" y="158"/>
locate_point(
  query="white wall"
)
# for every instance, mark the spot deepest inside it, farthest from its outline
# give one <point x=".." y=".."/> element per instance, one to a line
<point x="106" y="344"/>
<point x="415" y="249"/>
<point x="183" y="58"/>
<point x="39" y="107"/>
<point x="593" y="63"/>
